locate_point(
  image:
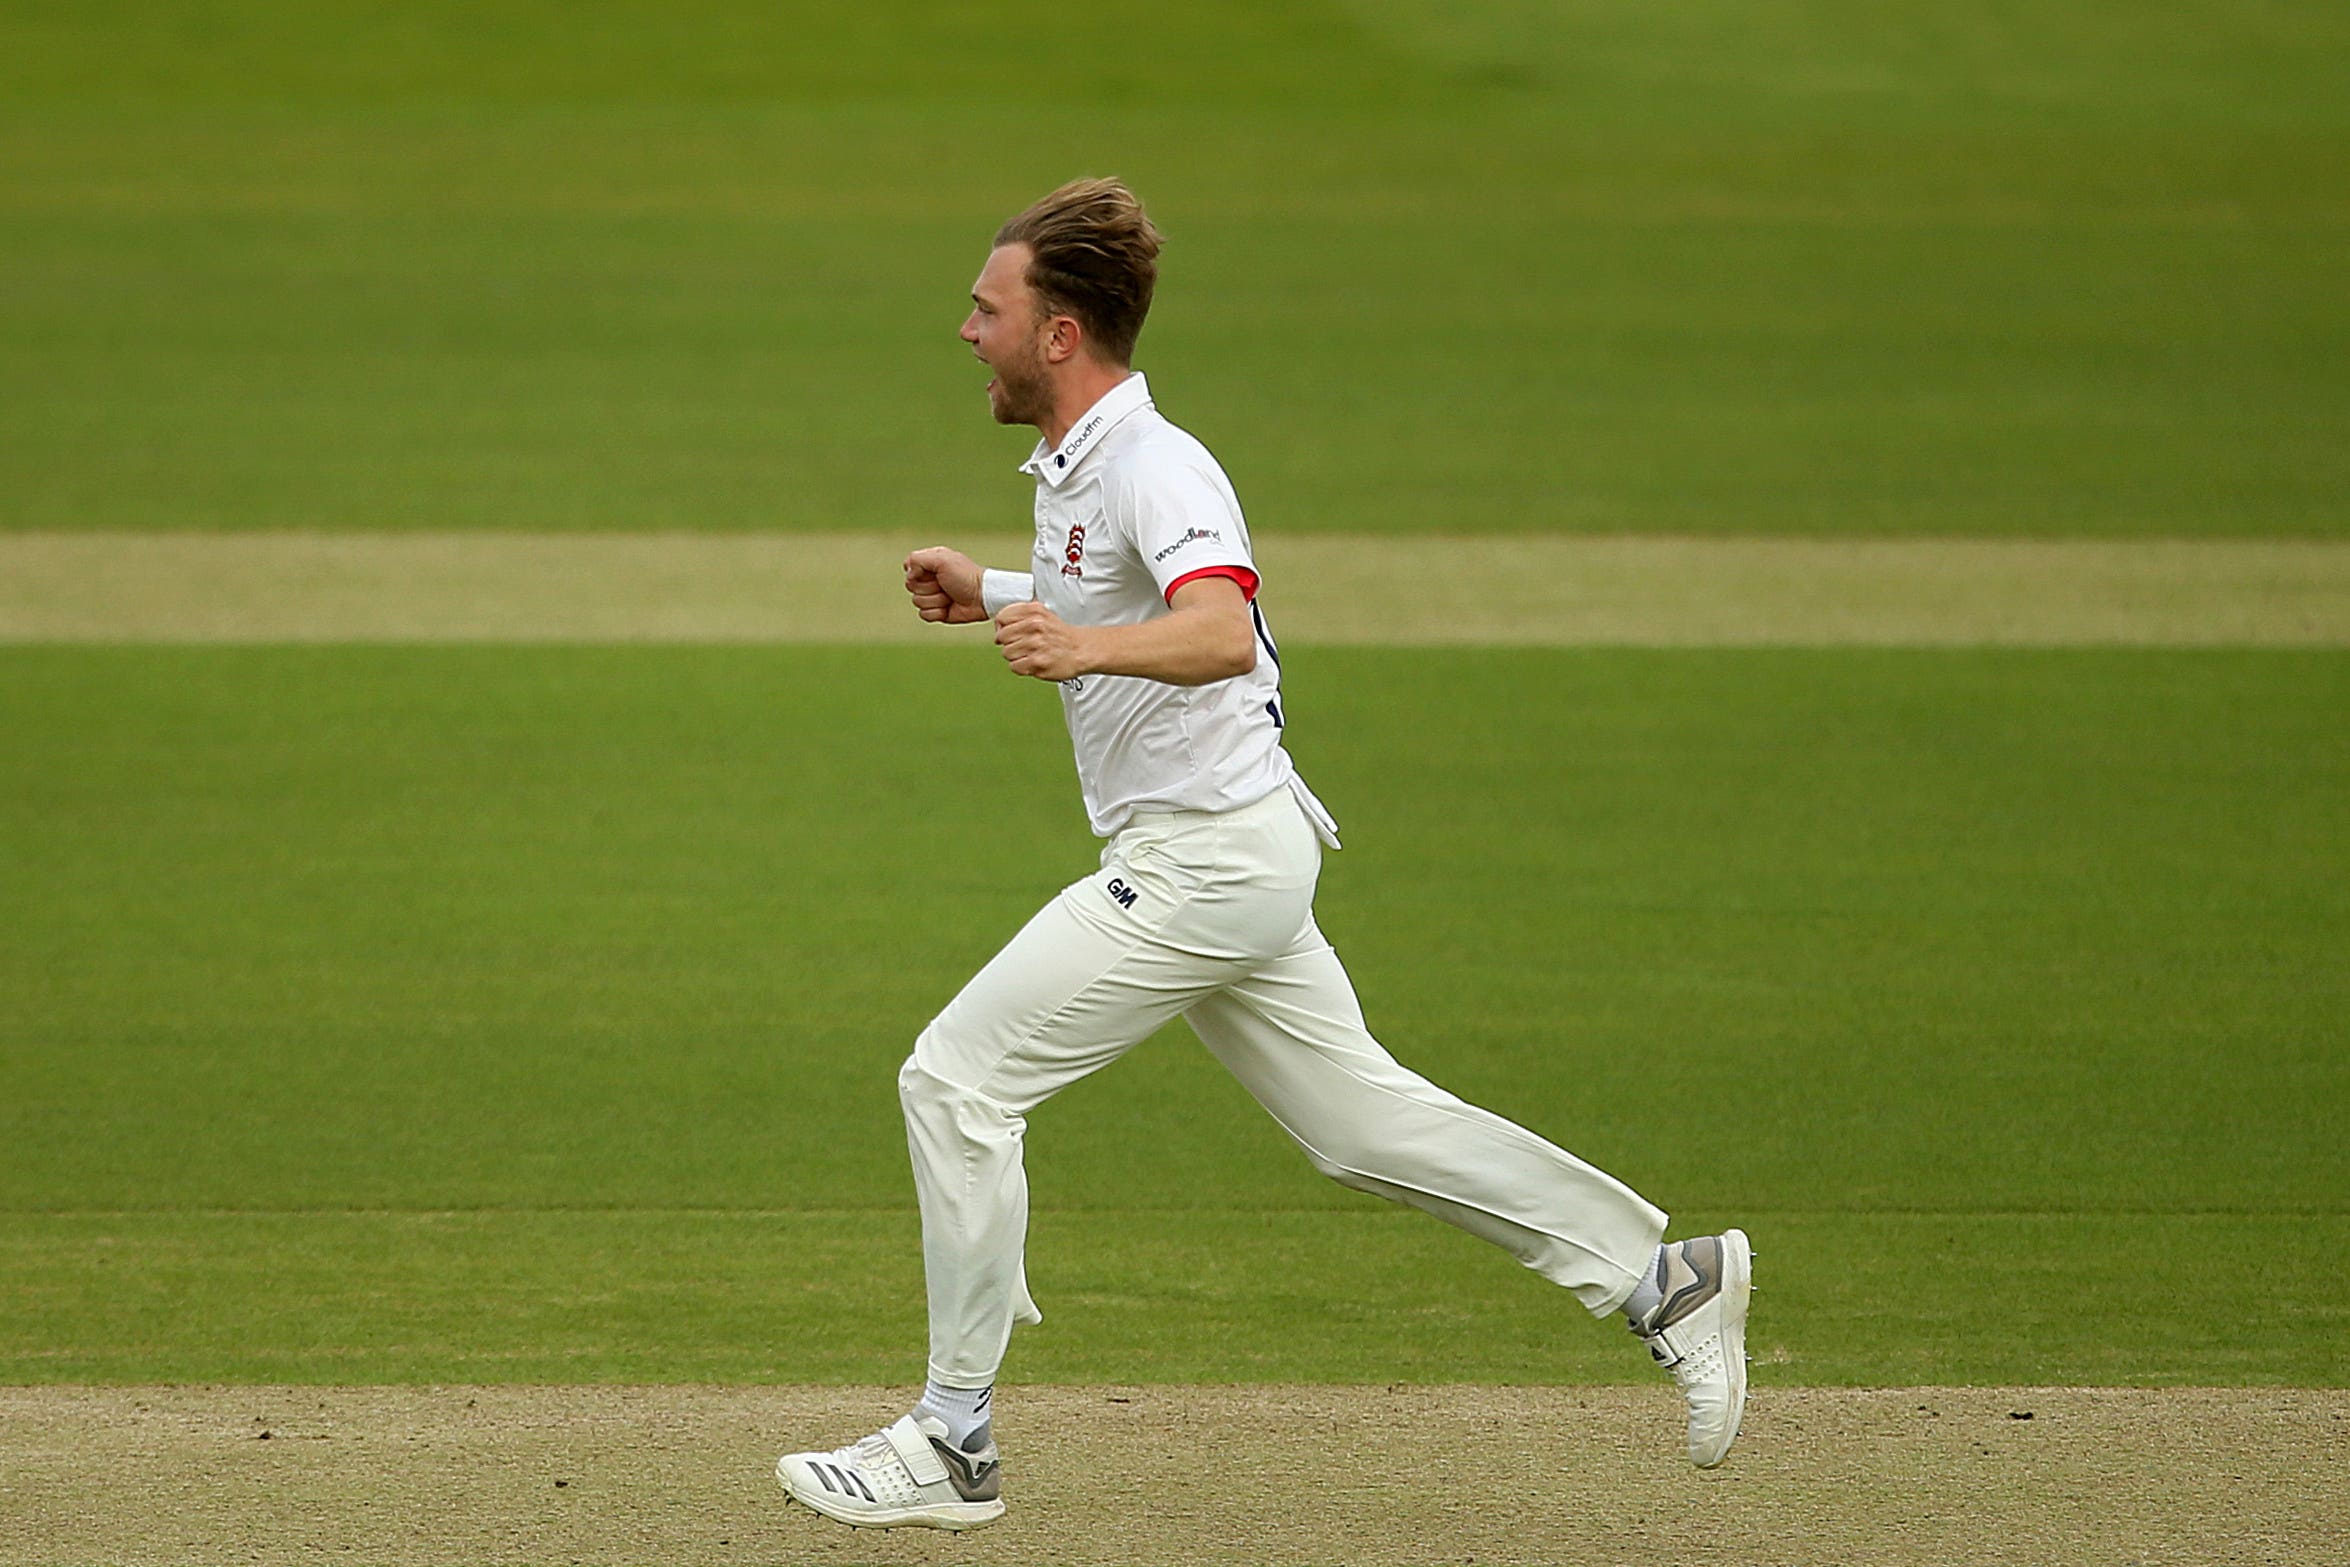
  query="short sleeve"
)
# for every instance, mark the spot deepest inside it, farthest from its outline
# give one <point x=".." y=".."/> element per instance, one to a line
<point x="1187" y="524"/>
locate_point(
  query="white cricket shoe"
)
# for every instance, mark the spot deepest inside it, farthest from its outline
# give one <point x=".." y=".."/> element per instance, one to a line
<point x="1698" y="1332"/>
<point x="905" y="1474"/>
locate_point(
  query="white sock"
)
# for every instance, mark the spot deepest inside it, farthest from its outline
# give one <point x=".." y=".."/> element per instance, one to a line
<point x="1650" y="1293"/>
<point x="964" y="1409"/>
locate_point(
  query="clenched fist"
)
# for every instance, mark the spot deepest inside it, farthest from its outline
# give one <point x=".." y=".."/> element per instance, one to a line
<point x="945" y="585"/>
<point x="1040" y="643"/>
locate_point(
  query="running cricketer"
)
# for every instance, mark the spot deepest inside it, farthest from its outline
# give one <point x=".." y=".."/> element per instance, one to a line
<point x="1141" y="604"/>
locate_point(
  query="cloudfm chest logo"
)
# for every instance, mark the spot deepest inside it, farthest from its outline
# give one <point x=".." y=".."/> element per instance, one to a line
<point x="1073" y="557"/>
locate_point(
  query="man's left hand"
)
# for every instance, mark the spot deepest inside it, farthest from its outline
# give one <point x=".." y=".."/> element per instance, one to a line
<point x="1038" y="642"/>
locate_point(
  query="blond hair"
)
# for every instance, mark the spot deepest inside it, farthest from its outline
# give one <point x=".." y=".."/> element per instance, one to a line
<point x="1093" y="254"/>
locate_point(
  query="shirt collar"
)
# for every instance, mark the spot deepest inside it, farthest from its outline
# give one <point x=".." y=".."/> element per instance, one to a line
<point x="1055" y="465"/>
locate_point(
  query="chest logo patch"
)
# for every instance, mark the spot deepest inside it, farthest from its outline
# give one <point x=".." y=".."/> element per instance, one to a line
<point x="1074" y="556"/>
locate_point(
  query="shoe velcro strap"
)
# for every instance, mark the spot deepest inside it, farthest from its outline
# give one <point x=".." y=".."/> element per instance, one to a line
<point x="1673" y="1345"/>
<point x="913" y="1447"/>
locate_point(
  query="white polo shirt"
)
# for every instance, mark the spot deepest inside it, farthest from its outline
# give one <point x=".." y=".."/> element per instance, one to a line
<point x="1128" y="509"/>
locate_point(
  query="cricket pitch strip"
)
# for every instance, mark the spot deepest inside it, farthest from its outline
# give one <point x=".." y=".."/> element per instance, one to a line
<point x="432" y="1477"/>
<point x="1326" y="589"/>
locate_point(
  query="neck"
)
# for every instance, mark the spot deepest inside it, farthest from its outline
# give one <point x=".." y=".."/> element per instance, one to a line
<point x="1083" y="386"/>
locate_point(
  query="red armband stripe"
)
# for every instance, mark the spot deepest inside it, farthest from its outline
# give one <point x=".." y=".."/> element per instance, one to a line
<point x="1240" y="574"/>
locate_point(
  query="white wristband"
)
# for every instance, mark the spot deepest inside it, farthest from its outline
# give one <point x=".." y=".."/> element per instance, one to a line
<point x="1000" y="590"/>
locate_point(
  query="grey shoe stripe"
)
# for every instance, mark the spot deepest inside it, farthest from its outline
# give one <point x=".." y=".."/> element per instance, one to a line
<point x="1706" y="1281"/>
<point x="842" y="1481"/>
<point x="973" y="1480"/>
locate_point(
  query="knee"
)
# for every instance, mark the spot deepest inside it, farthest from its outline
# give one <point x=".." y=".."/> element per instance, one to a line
<point x="1339" y="1158"/>
<point x="919" y="1088"/>
<point x="926" y="1095"/>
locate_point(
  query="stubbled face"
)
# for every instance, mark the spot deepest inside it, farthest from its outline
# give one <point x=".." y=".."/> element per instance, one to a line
<point x="1007" y="336"/>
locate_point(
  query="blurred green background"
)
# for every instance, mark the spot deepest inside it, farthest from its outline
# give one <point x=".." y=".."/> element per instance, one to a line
<point x="432" y="1014"/>
<point x="1733" y="266"/>
<point x="444" y="1014"/>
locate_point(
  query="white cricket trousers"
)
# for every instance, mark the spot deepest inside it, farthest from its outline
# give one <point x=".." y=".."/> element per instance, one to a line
<point x="1211" y="916"/>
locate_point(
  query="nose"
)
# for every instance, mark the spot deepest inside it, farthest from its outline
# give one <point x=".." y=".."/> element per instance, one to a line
<point x="970" y="332"/>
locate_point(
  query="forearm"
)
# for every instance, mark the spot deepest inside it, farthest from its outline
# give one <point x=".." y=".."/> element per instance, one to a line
<point x="1188" y="647"/>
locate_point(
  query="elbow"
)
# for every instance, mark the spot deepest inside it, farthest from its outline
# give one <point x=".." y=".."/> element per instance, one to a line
<point x="1242" y="655"/>
<point x="1227" y="658"/>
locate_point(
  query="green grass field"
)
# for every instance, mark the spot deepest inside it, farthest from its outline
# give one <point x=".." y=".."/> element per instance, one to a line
<point x="2080" y="268"/>
<point x="412" y="1024"/>
<point x="479" y="1014"/>
<point x="469" y="1014"/>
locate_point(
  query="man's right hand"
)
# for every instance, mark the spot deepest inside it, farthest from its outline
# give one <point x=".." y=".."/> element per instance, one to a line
<point x="945" y="585"/>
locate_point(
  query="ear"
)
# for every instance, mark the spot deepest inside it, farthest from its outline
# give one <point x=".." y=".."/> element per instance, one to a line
<point x="1063" y="337"/>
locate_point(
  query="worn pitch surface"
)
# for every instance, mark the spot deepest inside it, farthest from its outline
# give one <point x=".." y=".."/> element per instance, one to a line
<point x="1180" y="1474"/>
<point x="1267" y="1474"/>
<point x="1353" y="590"/>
